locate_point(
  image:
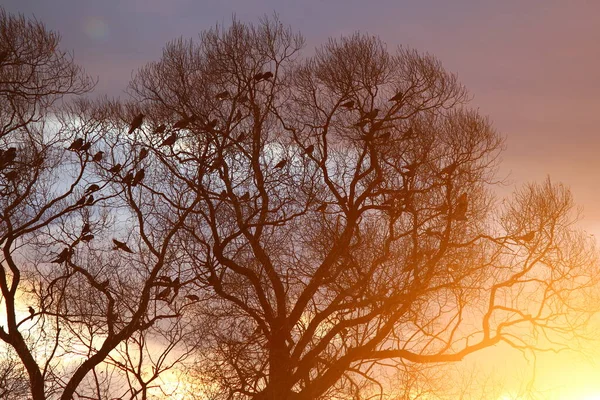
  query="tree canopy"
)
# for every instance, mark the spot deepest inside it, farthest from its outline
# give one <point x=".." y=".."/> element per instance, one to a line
<point x="277" y="226"/>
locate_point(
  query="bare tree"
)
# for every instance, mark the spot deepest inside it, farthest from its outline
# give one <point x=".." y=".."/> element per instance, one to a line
<point x="345" y="221"/>
<point x="86" y="252"/>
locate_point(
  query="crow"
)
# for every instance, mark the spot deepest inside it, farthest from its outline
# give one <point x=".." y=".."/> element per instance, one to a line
<point x="267" y="75"/>
<point x="164" y="294"/>
<point x="85" y="147"/>
<point x="528" y="237"/>
<point x="121" y="246"/>
<point x="170" y="141"/>
<point x="89" y="200"/>
<point x="85" y="229"/>
<point x="98" y="156"/>
<point x="115" y="169"/>
<point x="11" y="175"/>
<point x="449" y="169"/>
<point x="182" y="123"/>
<point x="143" y="154"/>
<point x="371" y="114"/>
<point x="309" y="150"/>
<point x="348" y="104"/>
<point x="76" y="145"/>
<point x="160" y="129"/>
<point x="62" y="256"/>
<point x="139" y="176"/>
<point x="192" y="297"/>
<point x="87" y="238"/>
<point x="281" y="164"/>
<point x="222" y="96"/>
<point x="460" y="212"/>
<point x="7" y="157"/>
<point x="128" y="178"/>
<point x="92" y="188"/>
<point x="322" y="207"/>
<point x="136" y="123"/>
<point x="31" y="311"/>
<point x="81" y="201"/>
<point x="245" y="196"/>
<point x="398" y="97"/>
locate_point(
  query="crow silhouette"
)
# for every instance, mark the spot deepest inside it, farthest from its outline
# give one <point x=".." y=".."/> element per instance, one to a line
<point x="348" y="104"/>
<point x="89" y="200"/>
<point x="182" y="123"/>
<point x="136" y="123"/>
<point x="98" y="156"/>
<point x="115" y="169"/>
<point x="11" y="175"/>
<point x="398" y="97"/>
<point x="222" y="96"/>
<point x="76" y="145"/>
<point x="85" y="229"/>
<point x="281" y="164"/>
<point x="128" y="178"/>
<point x="309" y="150"/>
<point x="267" y="75"/>
<point x="85" y="147"/>
<point x="81" y="201"/>
<point x="322" y="207"/>
<point x="192" y="297"/>
<point x="121" y="246"/>
<point x="139" y="176"/>
<point x="7" y="157"/>
<point x="62" y="256"/>
<point x="31" y="311"/>
<point x="143" y="154"/>
<point x="92" y="188"/>
<point x="528" y="237"/>
<point x="170" y="141"/>
<point x="164" y="294"/>
<point x="87" y="238"/>
<point x="245" y="196"/>
<point x="160" y="129"/>
<point x="460" y="212"/>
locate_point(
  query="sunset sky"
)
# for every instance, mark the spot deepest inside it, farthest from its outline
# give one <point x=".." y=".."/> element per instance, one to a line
<point x="532" y="66"/>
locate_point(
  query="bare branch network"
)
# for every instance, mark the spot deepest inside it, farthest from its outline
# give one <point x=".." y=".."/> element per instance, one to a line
<point x="256" y="224"/>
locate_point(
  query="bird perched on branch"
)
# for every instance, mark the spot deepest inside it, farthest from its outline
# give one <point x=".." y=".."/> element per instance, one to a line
<point x="349" y="104"/>
<point x="62" y="256"/>
<point x="460" y="212"/>
<point x="397" y="97"/>
<point x="76" y="145"/>
<point x="245" y="197"/>
<point x="31" y="311"/>
<point x="170" y="141"/>
<point x="86" y="146"/>
<point x="142" y="154"/>
<point x="136" y="123"/>
<point x="160" y="129"/>
<point x="281" y="164"/>
<point x="192" y="297"/>
<point x="98" y="156"/>
<point x="92" y="188"/>
<point x="121" y="246"/>
<point x="128" y="178"/>
<point x="222" y="95"/>
<point x="309" y="150"/>
<point x="7" y="157"/>
<point x="528" y="237"/>
<point x="139" y="176"/>
<point x="115" y="169"/>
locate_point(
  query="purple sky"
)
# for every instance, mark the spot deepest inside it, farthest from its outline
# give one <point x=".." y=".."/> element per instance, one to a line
<point x="533" y="66"/>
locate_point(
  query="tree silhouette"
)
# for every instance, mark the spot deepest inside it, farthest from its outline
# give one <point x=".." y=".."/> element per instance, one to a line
<point x="346" y="221"/>
<point x="301" y="225"/>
